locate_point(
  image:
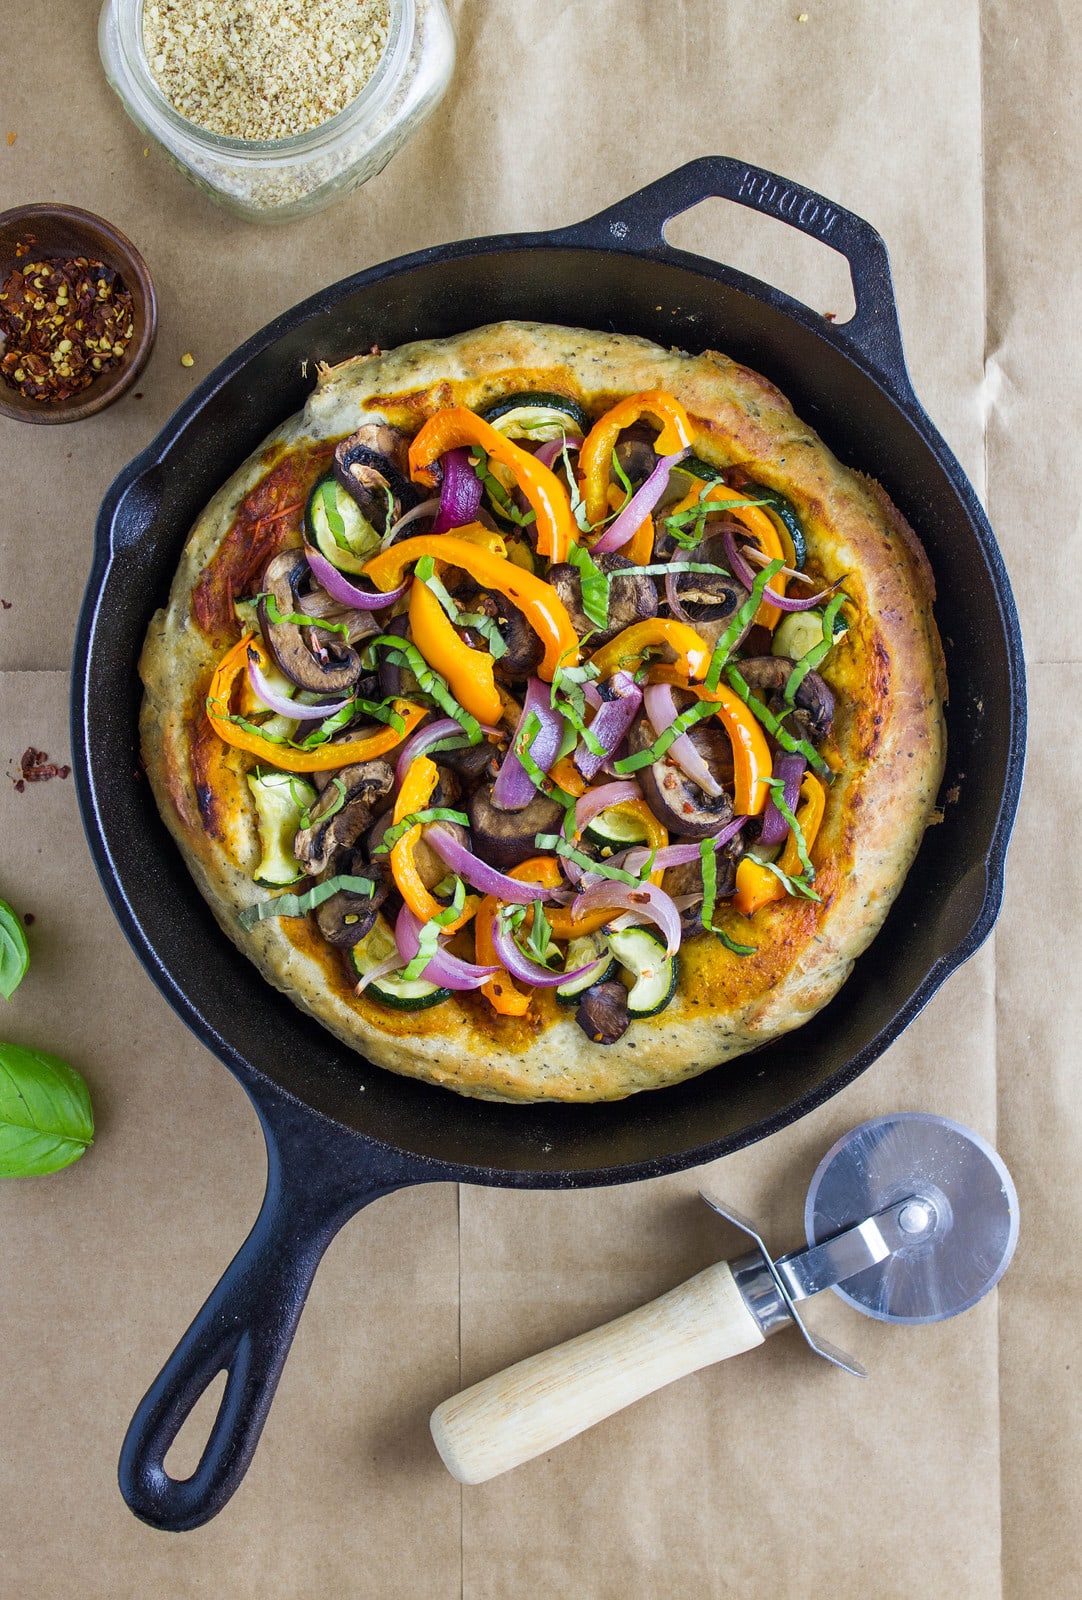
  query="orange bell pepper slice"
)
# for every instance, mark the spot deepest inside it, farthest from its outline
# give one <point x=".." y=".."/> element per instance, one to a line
<point x="414" y="795"/>
<point x="567" y="776"/>
<point x="595" y="455"/>
<point x="538" y="600"/>
<point x="456" y="426"/>
<point x="752" y="763"/>
<point x="629" y="648"/>
<point x="468" y="672"/>
<point x="756" y="885"/>
<point x="501" y="991"/>
<point x="325" y="756"/>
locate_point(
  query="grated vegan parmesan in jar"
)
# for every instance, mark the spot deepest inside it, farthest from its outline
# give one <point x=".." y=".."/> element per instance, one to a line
<point x="263" y="69"/>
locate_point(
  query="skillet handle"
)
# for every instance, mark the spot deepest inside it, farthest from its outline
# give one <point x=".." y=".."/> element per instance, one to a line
<point x="637" y="224"/>
<point x="247" y="1325"/>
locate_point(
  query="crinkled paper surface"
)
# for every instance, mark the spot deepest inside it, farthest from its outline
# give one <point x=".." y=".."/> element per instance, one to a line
<point x="953" y="1472"/>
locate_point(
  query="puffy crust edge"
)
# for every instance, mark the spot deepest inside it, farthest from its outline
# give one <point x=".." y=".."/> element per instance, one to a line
<point x="889" y="735"/>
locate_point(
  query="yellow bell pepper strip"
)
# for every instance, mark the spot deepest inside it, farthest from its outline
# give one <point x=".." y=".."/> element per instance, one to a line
<point x="629" y="648"/>
<point x="756" y="885"/>
<point x="595" y="456"/>
<point x="501" y="991"/>
<point x="536" y="599"/>
<point x="456" y="426"/>
<point x="468" y="672"/>
<point x="809" y="817"/>
<point x="324" y="757"/>
<point x="414" y="795"/>
<point x="752" y="764"/>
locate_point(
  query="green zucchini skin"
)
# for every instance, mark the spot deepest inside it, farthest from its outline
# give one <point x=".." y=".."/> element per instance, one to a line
<point x="570" y="994"/>
<point x="642" y="954"/>
<point x="366" y="542"/>
<point x="777" y="506"/>
<point x="415" y="995"/>
<point x="540" y="400"/>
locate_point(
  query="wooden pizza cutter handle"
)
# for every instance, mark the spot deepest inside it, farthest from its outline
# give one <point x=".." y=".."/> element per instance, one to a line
<point x="548" y="1398"/>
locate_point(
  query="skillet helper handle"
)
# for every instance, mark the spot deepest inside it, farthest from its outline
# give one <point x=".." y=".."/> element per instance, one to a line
<point x="246" y="1326"/>
<point x="637" y="224"/>
<point x="549" y="1398"/>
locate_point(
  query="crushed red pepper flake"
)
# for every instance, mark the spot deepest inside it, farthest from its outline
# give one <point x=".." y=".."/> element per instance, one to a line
<point x="5" y="605"/>
<point x="63" y="324"/>
<point x="35" y="767"/>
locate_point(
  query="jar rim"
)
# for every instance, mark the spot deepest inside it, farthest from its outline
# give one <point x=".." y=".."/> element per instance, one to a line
<point x="369" y="99"/>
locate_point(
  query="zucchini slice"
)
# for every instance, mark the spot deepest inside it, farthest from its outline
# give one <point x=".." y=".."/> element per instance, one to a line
<point x="800" y="631"/>
<point x="592" y="947"/>
<point x="337" y="526"/>
<point x="615" y="830"/>
<point x="279" y="798"/>
<point x="642" y="954"/>
<point x="538" y="417"/>
<point x="392" y="990"/>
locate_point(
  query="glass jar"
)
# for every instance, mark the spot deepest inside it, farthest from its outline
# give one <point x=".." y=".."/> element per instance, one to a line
<point x="279" y="179"/>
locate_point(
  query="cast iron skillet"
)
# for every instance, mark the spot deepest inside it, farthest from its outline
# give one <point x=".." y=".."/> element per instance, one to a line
<point x="340" y="1132"/>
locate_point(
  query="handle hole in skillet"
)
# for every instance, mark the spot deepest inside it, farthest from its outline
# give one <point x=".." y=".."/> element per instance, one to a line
<point x="768" y="249"/>
<point x="186" y="1450"/>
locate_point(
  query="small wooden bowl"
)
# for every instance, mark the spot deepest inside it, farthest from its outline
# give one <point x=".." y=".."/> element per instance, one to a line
<point x="61" y="232"/>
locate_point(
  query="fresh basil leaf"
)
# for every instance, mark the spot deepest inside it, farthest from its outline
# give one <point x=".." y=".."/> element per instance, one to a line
<point x="578" y="504"/>
<point x="428" y="942"/>
<point x="794" y="886"/>
<point x="14" y="951"/>
<point x="731" y="944"/>
<point x="687" y="719"/>
<point x="602" y="869"/>
<point x="709" y="860"/>
<point x="329" y="495"/>
<point x="737" y="623"/>
<point x="299" y="619"/>
<point x="433" y="814"/>
<point x="46" y="1121"/>
<point x="430" y="682"/>
<point x="332" y="810"/>
<point x="540" y="779"/>
<point x="774" y="725"/>
<point x="811" y="661"/>
<point x="795" y="829"/>
<point x="425" y="570"/>
<point x="594" y="585"/>
<point x="299" y="905"/>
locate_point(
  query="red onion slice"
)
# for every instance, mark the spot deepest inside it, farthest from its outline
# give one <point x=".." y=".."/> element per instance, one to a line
<point x="514" y="788"/>
<point x="339" y="587"/>
<point x="784" y="602"/>
<point x="790" y="770"/>
<point x="430" y="733"/>
<point x="444" y="969"/>
<point x="427" y="508"/>
<point x="645" y="898"/>
<point x="674" y="855"/>
<point x="521" y="967"/>
<point x="460" y="493"/>
<point x="661" y="711"/>
<point x="388" y="964"/>
<point x="588" y="806"/>
<point x="286" y="707"/>
<point x="479" y="874"/>
<point x="639" y="507"/>
<point x="549" y="452"/>
<point x="611" y="721"/>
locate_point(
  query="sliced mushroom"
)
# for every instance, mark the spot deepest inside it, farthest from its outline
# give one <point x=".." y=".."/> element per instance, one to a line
<point x="524" y="649"/>
<point x="708" y="599"/>
<point x="814" y="702"/>
<point x="431" y="868"/>
<point x="348" y="917"/>
<point x="631" y="599"/>
<point x="475" y="763"/>
<point x="309" y="656"/>
<point x="506" y="838"/>
<point x="342" y="815"/>
<point x="602" y="1014"/>
<point x="372" y="464"/>
<point x="672" y="796"/>
<point x="636" y="453"/>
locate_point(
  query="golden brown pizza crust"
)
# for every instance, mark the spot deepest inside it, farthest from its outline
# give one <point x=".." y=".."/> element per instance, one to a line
<point x="887" y="743"/>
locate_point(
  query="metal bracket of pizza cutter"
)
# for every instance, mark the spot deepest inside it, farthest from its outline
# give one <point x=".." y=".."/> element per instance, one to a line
<point x="910" y="1218"/>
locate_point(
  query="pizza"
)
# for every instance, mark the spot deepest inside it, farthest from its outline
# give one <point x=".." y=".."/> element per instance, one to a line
<point x="549" y="714"/>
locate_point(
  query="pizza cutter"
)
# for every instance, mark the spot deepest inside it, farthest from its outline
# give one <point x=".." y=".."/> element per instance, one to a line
<point x="909" y="1218"/>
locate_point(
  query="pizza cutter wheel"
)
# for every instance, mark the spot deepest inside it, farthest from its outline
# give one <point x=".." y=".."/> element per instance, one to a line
<point x="909" y="1218"/>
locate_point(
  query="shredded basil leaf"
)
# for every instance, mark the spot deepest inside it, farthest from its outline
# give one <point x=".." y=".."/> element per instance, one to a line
<point x="774" y="726"/>
<point x="499" y="498"/>
<point x="818" y="653"/>
<point x="794" y="886"/>
<point x="731" y="944"/>
<point x="578" y="504"/>
<point x="688" y="527"/>
<point x="687" y="719"/>
<point x="429" y="936"/>
<point x="540" y="779"/>
<point x="425" y="570"/>
<point x="709" y="860"/>
<point x="554" y="841"/>
<point x="329" y="496"/>
<point x="433" y="814"/>
<point x="727" y="642"/>
<point x="429" y="681"/>
<point x="332" y="810"/>
<point x="540" y="942"/>
<point x="594" y="584"/>
<point x="795" y="829"/>
<point x="622" y="478"/>
<point x="299" y="905"/>
<point x="299" y="619"/>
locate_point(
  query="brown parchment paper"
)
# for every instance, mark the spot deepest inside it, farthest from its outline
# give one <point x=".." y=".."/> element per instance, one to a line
<point x="954" y="1471"/>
